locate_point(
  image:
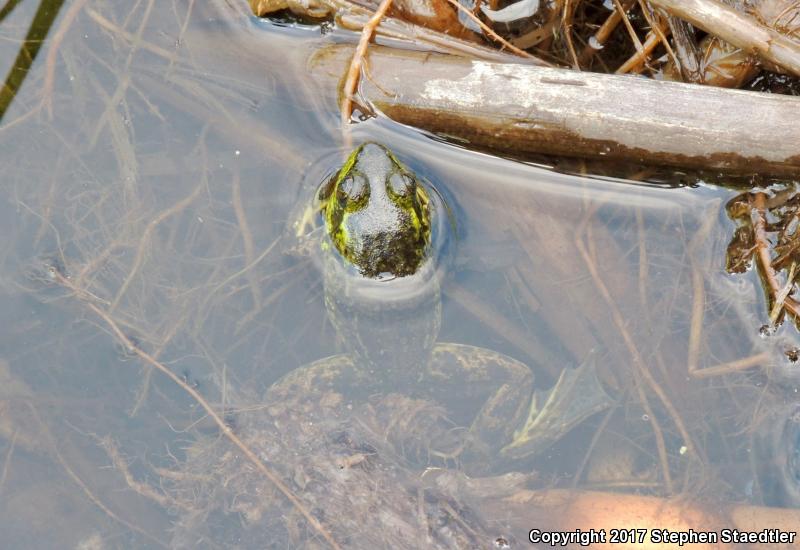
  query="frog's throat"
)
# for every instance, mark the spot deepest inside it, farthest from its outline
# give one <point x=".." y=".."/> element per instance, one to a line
<point x="390" y="330"/>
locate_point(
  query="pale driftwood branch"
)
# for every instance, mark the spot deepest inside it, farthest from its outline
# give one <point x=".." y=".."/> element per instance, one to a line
<point x="737" y="28"/>
<point x="528" y="109"/>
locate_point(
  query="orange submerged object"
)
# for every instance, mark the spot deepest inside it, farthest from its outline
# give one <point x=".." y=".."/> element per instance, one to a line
<point x="571" y="519"/>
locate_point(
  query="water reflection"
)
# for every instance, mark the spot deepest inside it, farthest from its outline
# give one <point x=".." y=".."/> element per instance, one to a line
<point x="150" y="212"/>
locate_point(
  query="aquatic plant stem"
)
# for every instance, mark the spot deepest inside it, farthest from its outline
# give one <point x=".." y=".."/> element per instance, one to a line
<point x="7" y="8"/>
<point x="638" y="361"/>
<point x="759" y="212"/>
<point x="145" y="240"/>
<point x="205" y="405"/>
<point x="247" y="241"/>
<point x="354" y="72"/>
<point x="52" y="53"/>
<point x="7" y="460"/>
<point x="40" y="26"/>
<point x="52" y="448"/>
<point x="783" y="294"/>
<point x="698" y="293"/>
<point x="744" y="363"/>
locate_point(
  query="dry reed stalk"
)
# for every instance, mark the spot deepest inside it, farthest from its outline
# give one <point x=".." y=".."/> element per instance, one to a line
<point x="224" y="428"/>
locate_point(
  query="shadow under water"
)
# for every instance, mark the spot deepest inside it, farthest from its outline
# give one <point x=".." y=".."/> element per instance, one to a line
<point x="153" y="294"/>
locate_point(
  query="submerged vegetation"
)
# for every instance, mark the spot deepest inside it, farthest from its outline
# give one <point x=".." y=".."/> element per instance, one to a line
<point x="767" y="233"/>
<point x="153" y="302"/>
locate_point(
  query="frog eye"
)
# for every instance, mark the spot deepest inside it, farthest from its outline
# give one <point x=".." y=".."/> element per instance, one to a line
<point x="402" y="185"/>
<point x="353" y="188"/>
<point x="327" y="187"/>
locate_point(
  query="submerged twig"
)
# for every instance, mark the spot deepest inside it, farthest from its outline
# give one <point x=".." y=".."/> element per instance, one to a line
<point x="641" y="368"/>
<point x="124" y="79"/>
<point x="698" y="296"/>
<point x="52" y="53"/>
<point x="783" y="295"/>
<point x="637" y="360"/>
<point x="143" y="489"/>
<point x="224" y="428"/>
<point x="247" y="239"/>
<point x="763" y="258"/>
<point x="54" y="450"/>
<point x="7" y="461"/>
<point x="732" y="366"/>
<point x="145" y="240"/>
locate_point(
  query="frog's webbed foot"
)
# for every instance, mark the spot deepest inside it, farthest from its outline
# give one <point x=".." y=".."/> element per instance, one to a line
<point x="303" y="236"/>
<point x="577" y="395"/>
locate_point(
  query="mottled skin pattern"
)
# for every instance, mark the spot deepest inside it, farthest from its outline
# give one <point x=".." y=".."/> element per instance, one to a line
<point x="382" y="296"/>
<point x="480" y="388"/>
<point x="377" y="215"/>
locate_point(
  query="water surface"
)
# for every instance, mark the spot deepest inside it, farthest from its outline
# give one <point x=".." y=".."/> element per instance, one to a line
<point x="157" y="177"/>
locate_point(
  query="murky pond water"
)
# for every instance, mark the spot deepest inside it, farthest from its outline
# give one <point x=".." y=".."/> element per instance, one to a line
<point x="151" y="166"/>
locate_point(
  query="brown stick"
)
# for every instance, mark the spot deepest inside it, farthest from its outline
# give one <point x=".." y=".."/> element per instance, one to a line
<point x="527" y="109"/>
<point x="566" y="23"/>
<point x="737" y="28"/>
<point x="763" y="257"/>
<point x="745" y="363"/>
<point x="698" y="293"/>
<point x="634" y="63"/>
<point x="354" y="72"/>
<point x="631" y="32"/>
<point x="641" y="368"/>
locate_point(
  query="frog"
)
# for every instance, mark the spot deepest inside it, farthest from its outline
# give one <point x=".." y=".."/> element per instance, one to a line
<point x="384" y="239"/>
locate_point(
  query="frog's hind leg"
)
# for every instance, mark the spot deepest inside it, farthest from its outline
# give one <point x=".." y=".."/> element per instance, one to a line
<point x="576" y="395"/>
<point x="480" y="388"/>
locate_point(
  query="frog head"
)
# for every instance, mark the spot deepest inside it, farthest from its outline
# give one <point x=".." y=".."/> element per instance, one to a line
<point x="376" y="214"/>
